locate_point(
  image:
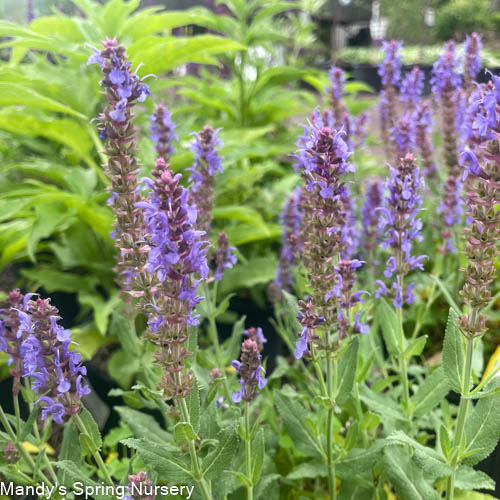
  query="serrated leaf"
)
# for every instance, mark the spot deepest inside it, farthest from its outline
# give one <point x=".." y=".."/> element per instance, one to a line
<point x="347" y="371"/>
<point x="27" y="427"/>
<point x="294" y="417"/>
<point x="258" y="455"/>
<point x="357" y="461"/>
<point x="74" y="473"/>
<point x="193" y="405"/>
<point x="308" y="470"/>
<point x="430" y="393"/>
<point x="92" y="430"/>
<point x="467" y="478"/>
<point x="482" y="429"/>
<point x="162" y="460"/>
<point x="220" y="459"/>
<point x="453" y="353"/>
<point x="416" y="347"/>
<point x="184" y="432"/>
<point x="143" y="425"/>
<point x="389" y="325"/>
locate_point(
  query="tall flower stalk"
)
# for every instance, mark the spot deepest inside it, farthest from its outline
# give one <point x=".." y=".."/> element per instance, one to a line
<point x="445" y="86"/>
<point x="472" y="60"/>
<point x="163" y="132"/>
<point x="481" y="236"/>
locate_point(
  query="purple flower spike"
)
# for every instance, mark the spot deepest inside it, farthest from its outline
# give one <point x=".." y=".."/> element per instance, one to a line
<point x="163" y="132"/>
<point x="206" y="164"/>
<point x="369" y="218"/>
<point x="399" y="220"/>
<point x="251" y="372"/>
<point x="472" y="59"/>
<point x="257" y="336"/>
<point x="412" y="87"/>
<point x="224" y="256"/>
<point x="445" y="74"/>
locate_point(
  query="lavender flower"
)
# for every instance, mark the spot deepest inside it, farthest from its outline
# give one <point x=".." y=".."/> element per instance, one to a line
<point x="224" y="256"/>
<point x="483" y="233"/>
<point x="342" y="120"/>
<point x="122" y="90"/>
<point x="399" y="220"/>
<point x="290" y="218"/>
<point x="177" y="258"/>
<point x="445" y="85"/>
<point x="257" y="336"/>
<point x="252" y="374"/>
<point x="360" y="129"/>
<point x="403" y="136"/>
<point x="369" y="218"/>
<point x="40" y="350"/>
<point x="423" y="130"/>
<point x="163" y="132"/>
<point x="390" y="73"/>
<point x="206" y="163"/>
<point x="310" y="321"/>
<point x="472" y="60"/>
<point x="412" y="88"/>
<point x="140" y="487"/>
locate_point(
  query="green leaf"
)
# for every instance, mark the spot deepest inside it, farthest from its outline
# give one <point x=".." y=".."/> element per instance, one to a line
<point x="123" y="366"/>
<point x="258" y="455"/>
<point x="231" y="347"/>
<point x="12" y="94"/>
<point x="220" y="459"/>
<point x="143" y="425"/>
<point x="347" y="371"/>
<point x="162" y="459"/>
<point x="193" y="405"/>
<point x="308" y="470"/>
<point x="240" y="213"/>
<point x="482" y="429"/>
<point x="53" y="280"/>
<point x="469" y="479"/>
<point x="447" y="294"/>
<point x="444" y="440"/>
<point x="124" y="329"/>
<point x="405" y="476"/>
<point x="90" y="440"/>
<point x="244" y="275"/>
<point x="223" y="306"/>
<point x="430" y="393"/>
<point x="27" y="427"/>
<point x="453" y="353"/>
<point x="102" y="310"/>
<point x="358" y="461"/>
<point x="416" y="347"/>
<point x="73" y="473"/>
<point x="184" y="432"/>
<point x="382" y="404"/>
<point x="388" y="322"/>
<point x="294" y="417"/>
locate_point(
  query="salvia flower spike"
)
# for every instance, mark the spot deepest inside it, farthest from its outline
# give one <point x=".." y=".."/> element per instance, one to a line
<point x="225" y="257"/>
<point x="163" y="132"/>
<point x="472" y="60"/>
<point x="40" y="350"/>
<point x="251" y="372"/>
<point x="177" y="258"/>
<point x="123" y="89"/>
<point x="399" y="219"/>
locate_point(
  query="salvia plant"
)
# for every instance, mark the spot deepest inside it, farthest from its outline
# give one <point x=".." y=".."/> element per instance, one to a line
<point x="374" y="264"/>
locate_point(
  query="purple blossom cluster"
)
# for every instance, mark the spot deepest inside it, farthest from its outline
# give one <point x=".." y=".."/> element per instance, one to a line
<point x="445" y="74"/>
<point x="224" y="256"/>
<point x="290" y="218"/>
<point x="39" y="349"/>
<point x="177" y="258"/>
<point x="399" y="220"/>
<point x="403" y="135"/>
<point x="423" y="133"/>
<point x="207" y="163"/>
<point x="472" y="60"/>
<point x="309" y="321"/>
<point x="412" y="88"/>
<point x="163" y="132"/>
<point x="250" y="370"/>
<point x="370" y="218"/>
<point x="390" y="69"/>
<point x="257" y="335"/>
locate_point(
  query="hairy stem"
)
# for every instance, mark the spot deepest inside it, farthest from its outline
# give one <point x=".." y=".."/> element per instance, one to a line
<point x="248" y="451"/>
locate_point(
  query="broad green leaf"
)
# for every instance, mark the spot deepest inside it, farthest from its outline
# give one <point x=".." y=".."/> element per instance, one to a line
<point x="64" y="28"/>
<point x="405" y="476"/>
<point x="92" y="441"/>
<point x="184" y="432"/>
<point x="162" y="459"/>
<point x="382" y="404"/>
<point x="467" y="479"/>
<point x="294" y="417"/>
<point x="347" y="371"/>
<point x="124" y="329"/>
<point x="73" y="473"/>
<point x="430" y="393"/>
<point x="220" y="459"/>
<point x="223" y="306"/>
<point x="243" y="214"/>
<point x="453" y="353"/>
<point x="193" y="406"/>
<point x="482" y="429"/>
<point x="143" y="425"/>
<point x="389" y="325"/>
<point x="27" y="426"/>
<point x="53" y="280"/>
<point x="416" y="347"/>
<point x="102" y="310"/>
<point x="258" y="455"/>
<point x="308" y="470"/>
<point x="358" y="461"/>
<point x="123" y="366"/>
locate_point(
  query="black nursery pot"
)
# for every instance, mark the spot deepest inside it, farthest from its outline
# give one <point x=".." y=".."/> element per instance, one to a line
<point x="367" y="73"/>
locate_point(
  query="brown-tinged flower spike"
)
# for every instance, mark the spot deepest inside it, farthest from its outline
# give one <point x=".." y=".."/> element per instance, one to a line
<point x="122" y="88"/>
<point x="163" y="132"/>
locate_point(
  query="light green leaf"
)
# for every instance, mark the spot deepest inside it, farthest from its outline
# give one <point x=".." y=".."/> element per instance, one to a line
<point x="467" y="479"/>
<point x="184" y="432"/>
<point x="453" y="353"/>
<point x="220" y="459"/>
<point x="388" y="322"/>
<point x="193" y="405"/>
<point x="416" y="347"/>
<point x="258" y="455"/>
<point x="430" y="393"/>
<point x="347" y="371"/>
<point x="143" y="425"/>
<point x="92" y="441"/>
<point x="102" y="310"/>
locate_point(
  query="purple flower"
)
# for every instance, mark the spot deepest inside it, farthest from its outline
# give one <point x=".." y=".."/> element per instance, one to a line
<point x="251" y="372"/>
<point x="445" y="74"/>
<point x="399" y="221"/>
<point x="472" y="59"/>
<point x="163" y="132"/>
<point x="257" y="336"/>
<point x="369" y="217"/>
<point x="224" y="256"/>
<point x="310" y="321"/>
<point x="403" y="135"/>
<point x="390" y="69"/>
<point x="290" y="218"/>
<point x="52" y="408"/>
<point x="423" y="130"/>
<point x="412" y="87"/>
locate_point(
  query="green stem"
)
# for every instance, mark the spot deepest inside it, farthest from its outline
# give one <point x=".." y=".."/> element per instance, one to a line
<point x="17" y="413"/>
<point x="20" y="448"/>
<point x="359" y="410"/>
<point x="248" y="451"/>
<point x="462" y="413"/>
<point x="195" y="464"/>
<point x="331" y="376"/>
<point x="96" y="454"/>
<point x="403" y="364"/>
<point x="430" y="301"/>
